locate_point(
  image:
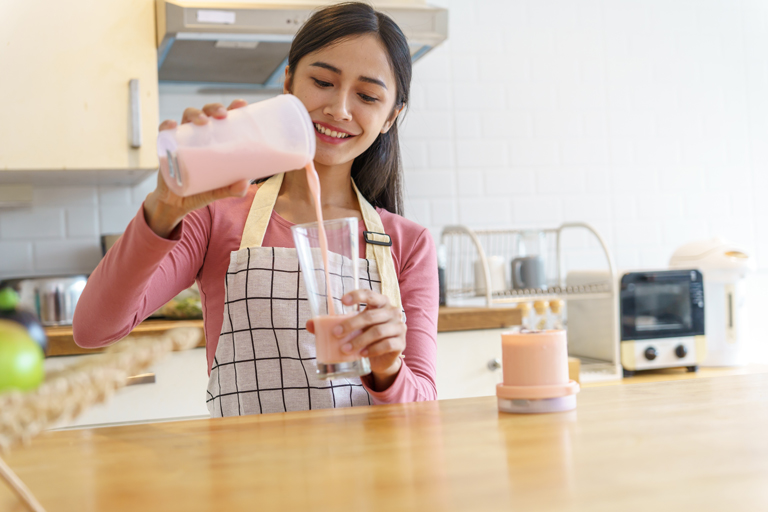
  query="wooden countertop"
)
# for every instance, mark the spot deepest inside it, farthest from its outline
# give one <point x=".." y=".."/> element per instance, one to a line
<point x="696" y="444"/>
<point x="61" y="342"/>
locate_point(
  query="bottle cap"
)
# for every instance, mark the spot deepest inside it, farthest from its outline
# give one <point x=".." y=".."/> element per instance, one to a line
<point x="540" y="306"/>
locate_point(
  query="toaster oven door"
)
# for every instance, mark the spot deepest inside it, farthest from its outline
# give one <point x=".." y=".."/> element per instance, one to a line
<point x="662" y="304"/>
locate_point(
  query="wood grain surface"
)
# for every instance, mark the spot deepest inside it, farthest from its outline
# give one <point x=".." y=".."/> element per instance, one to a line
<point x="696" y="444"/>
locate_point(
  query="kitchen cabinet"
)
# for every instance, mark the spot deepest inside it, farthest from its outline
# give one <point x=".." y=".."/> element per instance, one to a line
<point x="178" y="392"/>
<point x="66" y="73"/>
<point x="468" y="363"/>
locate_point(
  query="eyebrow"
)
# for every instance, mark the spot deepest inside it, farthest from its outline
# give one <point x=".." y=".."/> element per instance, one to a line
<point x="336" y="70"/>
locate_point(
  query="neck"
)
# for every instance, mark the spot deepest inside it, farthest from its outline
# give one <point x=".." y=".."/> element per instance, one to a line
<point x="337" y="194"/>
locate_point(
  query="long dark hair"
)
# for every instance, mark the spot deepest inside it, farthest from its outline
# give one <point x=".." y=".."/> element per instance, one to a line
<point x="378" y="171"/>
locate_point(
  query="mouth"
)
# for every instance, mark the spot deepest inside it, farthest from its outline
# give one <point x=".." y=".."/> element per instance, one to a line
<point x="328" y="134"/>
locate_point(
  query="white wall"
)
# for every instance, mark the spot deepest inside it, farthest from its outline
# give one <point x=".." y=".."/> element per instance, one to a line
<point x="648" y="119"/>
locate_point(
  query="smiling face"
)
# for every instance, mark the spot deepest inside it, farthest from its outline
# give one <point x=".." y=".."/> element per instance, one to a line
<point x="349" y="90"/>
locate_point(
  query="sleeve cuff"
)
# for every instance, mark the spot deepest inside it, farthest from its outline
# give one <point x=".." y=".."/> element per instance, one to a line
<point x="394" y="393"/>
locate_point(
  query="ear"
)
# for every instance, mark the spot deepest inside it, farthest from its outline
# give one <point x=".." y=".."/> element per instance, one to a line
<point x="392" y="119"/>
<point x="287" y="82"/>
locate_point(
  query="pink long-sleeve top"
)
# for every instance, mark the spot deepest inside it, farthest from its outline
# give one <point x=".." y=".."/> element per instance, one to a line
<point x="143" y="271"/>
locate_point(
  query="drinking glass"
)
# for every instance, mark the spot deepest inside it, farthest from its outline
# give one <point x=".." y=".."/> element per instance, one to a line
<point x="342" y="276"/>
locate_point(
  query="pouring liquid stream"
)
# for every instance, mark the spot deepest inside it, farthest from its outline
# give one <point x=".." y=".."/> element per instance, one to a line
<point x="314" y="187"/>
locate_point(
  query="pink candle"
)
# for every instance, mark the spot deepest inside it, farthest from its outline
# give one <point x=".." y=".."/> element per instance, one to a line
<point x="535" y="368"/>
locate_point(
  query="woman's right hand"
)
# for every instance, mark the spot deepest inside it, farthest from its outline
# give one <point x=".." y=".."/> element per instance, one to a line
<point x="164" y="210"/>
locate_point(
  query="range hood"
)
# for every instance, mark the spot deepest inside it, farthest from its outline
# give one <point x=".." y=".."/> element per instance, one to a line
<point x="245" y="45"/>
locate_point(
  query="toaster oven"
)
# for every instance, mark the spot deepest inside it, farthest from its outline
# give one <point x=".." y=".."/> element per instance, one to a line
<point x="657" y="323"/>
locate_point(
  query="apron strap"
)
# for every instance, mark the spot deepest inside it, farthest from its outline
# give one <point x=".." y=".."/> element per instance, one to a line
<point x="261" y="211"/>
<point x="381" y="253"/>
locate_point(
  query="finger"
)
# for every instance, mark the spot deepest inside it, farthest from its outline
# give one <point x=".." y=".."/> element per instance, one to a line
<point x="168" y="124"/>
<point x="238" y="189"/>
<point x="237" y="104"/>
<point x="382" y="347"/>
<point x="371" y="298"/>
<point x="193" y="115"/>
<point x="215" y="110"/>
<point x="310" y="326"/>
<point x="373" y="335"/>
<point x="364" y="320"/>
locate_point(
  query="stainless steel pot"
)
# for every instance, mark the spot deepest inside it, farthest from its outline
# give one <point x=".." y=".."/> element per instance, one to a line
<point x="53" y="298"/>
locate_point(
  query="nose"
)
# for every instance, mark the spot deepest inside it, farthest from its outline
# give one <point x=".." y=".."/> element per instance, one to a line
<point x="338" y="108"/>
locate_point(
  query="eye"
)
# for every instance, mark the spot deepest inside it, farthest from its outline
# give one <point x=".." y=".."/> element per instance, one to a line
<point x="368" y="99"/>
<point x="322" y="84"/>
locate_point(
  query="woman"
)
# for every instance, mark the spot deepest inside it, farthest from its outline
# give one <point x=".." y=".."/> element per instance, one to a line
<point x="351" y="67"/>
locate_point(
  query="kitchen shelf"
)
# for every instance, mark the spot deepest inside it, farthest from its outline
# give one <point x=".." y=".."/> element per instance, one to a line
<point x="469" y="278"/>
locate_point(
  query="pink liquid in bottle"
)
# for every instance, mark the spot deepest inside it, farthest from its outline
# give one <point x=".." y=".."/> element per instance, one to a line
<point x="328" y="345"/>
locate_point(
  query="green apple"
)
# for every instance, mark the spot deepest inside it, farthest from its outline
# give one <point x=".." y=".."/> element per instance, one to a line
<point x="21" y="359"/>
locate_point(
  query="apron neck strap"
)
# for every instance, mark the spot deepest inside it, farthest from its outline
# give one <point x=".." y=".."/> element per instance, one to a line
<point x="261" y="211"/>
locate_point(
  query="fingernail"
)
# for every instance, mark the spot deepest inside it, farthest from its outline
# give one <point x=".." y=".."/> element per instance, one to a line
<point x="346" y="299"/>
<point x="338" y="330"/>
<point x="347" y="347"/>
<point x="221" y="111"/>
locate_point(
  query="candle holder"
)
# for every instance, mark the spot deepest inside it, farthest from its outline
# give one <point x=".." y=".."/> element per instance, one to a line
<point x="535" y="368"/>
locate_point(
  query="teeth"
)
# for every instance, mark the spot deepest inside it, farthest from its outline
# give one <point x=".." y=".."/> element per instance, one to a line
<point x="331" y="133"/>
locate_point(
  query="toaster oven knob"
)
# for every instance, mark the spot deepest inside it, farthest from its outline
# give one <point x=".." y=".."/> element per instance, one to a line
<point x="681" y="351"/>
<point x="650" y="353"/>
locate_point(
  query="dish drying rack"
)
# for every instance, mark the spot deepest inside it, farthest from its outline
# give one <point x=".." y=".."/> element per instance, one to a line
<point x="465" y="246"/>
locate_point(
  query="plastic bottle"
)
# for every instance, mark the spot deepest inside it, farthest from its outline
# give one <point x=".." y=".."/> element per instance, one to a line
<point x="556" y="318"/>
<point x="260" y="140"/>
<point x="525" y="313"/>
<point x="540" y="318"/>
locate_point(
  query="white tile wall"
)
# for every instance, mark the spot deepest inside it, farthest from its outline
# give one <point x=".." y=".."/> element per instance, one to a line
<point x="648" y="119"/>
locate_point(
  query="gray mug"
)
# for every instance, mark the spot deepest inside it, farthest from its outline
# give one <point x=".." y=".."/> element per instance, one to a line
<point x="528" y="273"/>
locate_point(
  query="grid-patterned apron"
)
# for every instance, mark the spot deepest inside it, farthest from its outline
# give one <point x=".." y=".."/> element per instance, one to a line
<point x="265" y="360"/>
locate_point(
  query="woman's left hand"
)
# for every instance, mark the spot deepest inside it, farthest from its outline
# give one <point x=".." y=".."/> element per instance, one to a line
<point x="382" y="336"/>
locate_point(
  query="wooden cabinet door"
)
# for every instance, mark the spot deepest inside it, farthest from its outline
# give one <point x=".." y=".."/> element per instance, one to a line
<point x="65" y="68"/>
<point x="463" y="359"/>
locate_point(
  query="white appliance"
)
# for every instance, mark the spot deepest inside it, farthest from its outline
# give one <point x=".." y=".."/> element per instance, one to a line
<point x="656" y="321"/>
<point x="725" y="267"/>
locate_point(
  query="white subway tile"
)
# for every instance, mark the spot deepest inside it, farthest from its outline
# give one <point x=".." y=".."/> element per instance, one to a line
<point x="657" y="206"/>
<point x="424" y="124"/>
<point x="414" y="154"/>
<point x="688" y="179"/>
<point x="481" y="153"/>
<point x="631" y="124"/>
<point x="637" y="234"/>
<point x="622" y="151"/>
<point x="655" y="257"/>
<point x="465" y="71"/>
<point x="15" y="259"/>
<point x="635" y="179"/>
<point x="114" y="196"/>
<point x="585" y="152"/>
<point x="429" y="183"/>
<point x="49" y="197"/>
<point x="581" y="96"/>
<point x="627" y="258"/>
<point x="484" y="212"/>
<point x="598" y="182"/>
<point x="658" y="151"/>
<point x="477" y="97"/>
<point x="67" y="255"/>
<point x="624" y="207"/>
<point x="706" y="205"/>
<point x="470" y="183"/>
<point x="739" y="230"/>
<point x="438" y="96"/>
<point x="417" y="210"/>
<point x="541" y="211"/>
<point x="510" y="124"/>
<point x="535" y="152"/>
<point x="595" y="123"/>
<point x="440" y="154"/>
<point x="704" y="152"/>
<point x="553" y="14"/>
<point x="678" y="124"/>
<point x="531" y="96"/>
<point x="32" y="223"/>
<point x="444" y="212"/>
<point x="114" y="219"/>
<point x="587" y="209"/>
<point x="509" y="183"/>
<point x="677" y="233"/>
<point x="141" y="191"/>
<point x="560" y="181"/>
<point x="468" y="126"/>
<point x="555" y="70"/>
<point x="82" y="222"/>
<point x="503" y="67"/>
<point x="560" y="123"/>
<point x="534" y="43"/>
